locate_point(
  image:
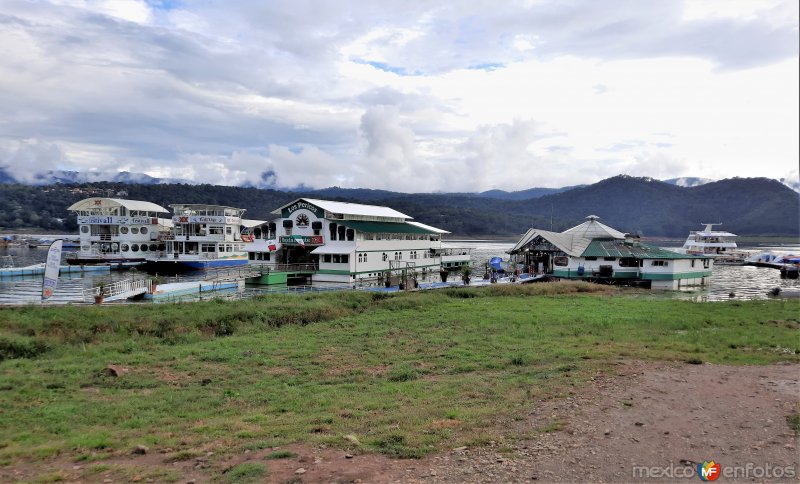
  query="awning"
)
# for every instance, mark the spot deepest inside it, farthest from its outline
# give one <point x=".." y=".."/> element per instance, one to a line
<point x="332" y="249"/>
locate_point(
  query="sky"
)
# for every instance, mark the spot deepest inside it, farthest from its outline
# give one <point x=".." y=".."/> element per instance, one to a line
<point x="411" y="95"/>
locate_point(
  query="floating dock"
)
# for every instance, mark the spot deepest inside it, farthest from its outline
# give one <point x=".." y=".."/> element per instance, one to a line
<point x="189" y="290"/>
<point x="38" y="269"/>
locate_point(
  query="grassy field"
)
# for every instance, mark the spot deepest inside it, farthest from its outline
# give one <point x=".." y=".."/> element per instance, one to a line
<point x="402" y="375"/>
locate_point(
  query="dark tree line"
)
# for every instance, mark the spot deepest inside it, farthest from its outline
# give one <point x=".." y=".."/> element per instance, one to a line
<point x="746" y="206"/>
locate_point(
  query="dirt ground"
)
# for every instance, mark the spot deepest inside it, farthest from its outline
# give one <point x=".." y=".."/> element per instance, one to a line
<point x="648" y="418"/>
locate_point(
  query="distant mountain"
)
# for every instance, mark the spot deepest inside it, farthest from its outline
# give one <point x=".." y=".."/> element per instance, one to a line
<point x="525" y="194"/>
<point x="51" y="177"/>
<point x="649" y="207"/>
<point x="688" y="181"/>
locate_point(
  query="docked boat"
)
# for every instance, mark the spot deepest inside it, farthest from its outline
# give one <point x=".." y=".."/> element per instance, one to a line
<point x="714" y="243"/>
<point x="117" y="231"/>
<point x="775" y="260"/>
<point x="202" y="237"/>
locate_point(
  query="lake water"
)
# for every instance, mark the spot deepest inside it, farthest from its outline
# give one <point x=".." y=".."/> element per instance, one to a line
<point x="744" y="282"/>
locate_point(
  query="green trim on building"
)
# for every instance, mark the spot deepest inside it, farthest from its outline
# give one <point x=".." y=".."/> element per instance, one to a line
<point x="618" y="248"/>
<point x="383" y="227"/>
<point x="653" y="276"/>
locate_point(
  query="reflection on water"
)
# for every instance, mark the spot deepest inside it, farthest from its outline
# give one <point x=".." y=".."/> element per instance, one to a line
<point x="744" y="282"/>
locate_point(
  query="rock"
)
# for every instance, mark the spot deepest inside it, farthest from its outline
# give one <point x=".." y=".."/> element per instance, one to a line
<point x="460" y="449"/>
<point x="140" y="449"/>
<point x="114" y="370"/>
<point x="607" y="432"/>
<point x="136" y="478"/>
<point x="639" y="424"/>
<point x="348" y="456"/>
<point x="300" y="471"/>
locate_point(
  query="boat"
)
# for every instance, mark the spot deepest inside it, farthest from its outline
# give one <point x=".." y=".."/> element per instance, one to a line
<point x="775" y="260"/>
<point x="714" y="243"/>
<point x="117" y="231"/>
<point x="202" y="237"/>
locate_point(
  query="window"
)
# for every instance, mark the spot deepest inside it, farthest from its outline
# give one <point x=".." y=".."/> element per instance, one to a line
<point x="360" y="257"/>
<point x="85" y="229"/>
<point x="326" y="258"/>
<point x="659" y="263"/>
<point x="628" y="262"/>
<point x="124" y="247"/>
<point x="609" y="258"/>
<point x="591" y="258"/>
<point x="706" y="263"/>
<point x="692" y="262"/>
<point x="123" y="230"/>
<point x="345" y="259"/>
<point x="215" y="230"/>
<point x="336" y="258"/>
<point x="134" y="230"/>
<point x="385" y="257"/>
<point x="561" y="261"/>
<point x="135" y="248"/>
<point x="365" y="257"/>
<point x="143" y="230"/>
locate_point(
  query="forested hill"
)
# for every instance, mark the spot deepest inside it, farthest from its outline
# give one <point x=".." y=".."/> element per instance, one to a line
<point x="746" y="206"/>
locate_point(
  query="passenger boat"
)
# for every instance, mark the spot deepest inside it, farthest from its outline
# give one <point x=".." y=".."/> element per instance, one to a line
<point x="714" y="243"/>
<point x="202" y="237"/>
<point x="117" y="231"/>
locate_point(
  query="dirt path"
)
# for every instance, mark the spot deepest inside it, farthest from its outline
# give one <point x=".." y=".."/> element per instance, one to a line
<point x="665" y="417"/>
<point x="651" y="415"/>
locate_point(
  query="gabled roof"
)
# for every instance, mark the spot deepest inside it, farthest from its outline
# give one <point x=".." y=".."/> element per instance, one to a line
<point x="344" y="208"/>
<point x="92" y="203"/>
<point x="573" y="241"/>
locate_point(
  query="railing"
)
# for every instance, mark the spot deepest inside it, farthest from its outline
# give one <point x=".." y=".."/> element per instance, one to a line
<point x="126" y="288"/>
<point x="285" y="267"/>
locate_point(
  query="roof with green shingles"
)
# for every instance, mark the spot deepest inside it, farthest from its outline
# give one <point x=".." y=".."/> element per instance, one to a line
<point x="384" y="227"/>
<point x="618" y="248"/>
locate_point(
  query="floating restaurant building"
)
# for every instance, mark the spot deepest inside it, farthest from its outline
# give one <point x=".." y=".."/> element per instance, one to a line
<point x="352" y="242"/>
<point x="114" y="230"/>
<point x="594" y="251"/>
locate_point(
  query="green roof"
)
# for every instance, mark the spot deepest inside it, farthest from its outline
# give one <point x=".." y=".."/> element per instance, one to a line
<point x="383" y="227"/>
<point x="618" y="248"/>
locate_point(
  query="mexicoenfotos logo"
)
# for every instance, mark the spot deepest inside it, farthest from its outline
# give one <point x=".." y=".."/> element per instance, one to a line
<point x="709" y="471"/>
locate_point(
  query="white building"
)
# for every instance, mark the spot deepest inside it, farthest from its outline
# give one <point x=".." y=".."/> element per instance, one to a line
<point x="353" y="242"/>
<point x="597" y="252"/>
<point x="114" y="230"/>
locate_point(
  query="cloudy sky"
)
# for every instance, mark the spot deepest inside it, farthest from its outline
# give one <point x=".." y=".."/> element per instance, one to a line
<point x="408" y="95"/>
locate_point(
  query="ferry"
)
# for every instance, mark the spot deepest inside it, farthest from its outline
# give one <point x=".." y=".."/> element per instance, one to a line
<point x="714" y="243"/>
<point x="202" y="237"/>
<point x="117" y="231"/>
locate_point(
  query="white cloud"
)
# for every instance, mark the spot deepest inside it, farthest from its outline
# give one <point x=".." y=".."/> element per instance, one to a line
<point x="403" y="95"/>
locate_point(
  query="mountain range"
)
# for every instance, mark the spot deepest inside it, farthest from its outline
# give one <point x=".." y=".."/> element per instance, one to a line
<point x="649" y="207"/>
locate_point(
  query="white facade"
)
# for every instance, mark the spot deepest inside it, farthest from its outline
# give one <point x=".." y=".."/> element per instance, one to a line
<point x="112" y="229"/>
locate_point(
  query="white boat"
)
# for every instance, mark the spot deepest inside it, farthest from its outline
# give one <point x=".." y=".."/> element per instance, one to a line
<point x="203" y="237"/>
<point x="117" y="231"/>
<point x="714" y="243"/>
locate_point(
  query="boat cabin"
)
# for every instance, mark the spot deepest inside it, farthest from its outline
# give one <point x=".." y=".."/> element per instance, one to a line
<point x="118" y="230"/>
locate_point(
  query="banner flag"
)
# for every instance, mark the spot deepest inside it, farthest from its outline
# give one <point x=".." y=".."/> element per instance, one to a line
<point x="51" y="268"/>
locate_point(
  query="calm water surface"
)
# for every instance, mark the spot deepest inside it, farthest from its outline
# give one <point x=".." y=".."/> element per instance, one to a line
<point x="744" y="282"/>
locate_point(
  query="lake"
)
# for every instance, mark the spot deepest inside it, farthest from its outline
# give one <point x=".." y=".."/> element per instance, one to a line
<point x="744" y="282"/>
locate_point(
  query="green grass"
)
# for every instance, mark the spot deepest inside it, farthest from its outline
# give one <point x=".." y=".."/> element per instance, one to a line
<point x="403" y="375"/>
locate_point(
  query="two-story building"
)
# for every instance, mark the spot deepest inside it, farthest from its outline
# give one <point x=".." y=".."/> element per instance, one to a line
<point x="354" y="242"/>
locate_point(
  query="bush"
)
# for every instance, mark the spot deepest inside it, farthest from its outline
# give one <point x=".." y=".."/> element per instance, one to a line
<point x="21" y="348"/>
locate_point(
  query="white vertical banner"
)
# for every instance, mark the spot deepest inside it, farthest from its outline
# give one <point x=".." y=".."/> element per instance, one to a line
<point x="51" y="269"/>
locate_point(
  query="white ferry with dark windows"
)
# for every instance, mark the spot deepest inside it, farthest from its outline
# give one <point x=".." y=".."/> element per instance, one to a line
<point x="354" y="243"/>
<point x="115" y="231"/>
<point x="203" y="237"/>
<point x="596" y="252"/>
